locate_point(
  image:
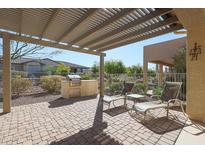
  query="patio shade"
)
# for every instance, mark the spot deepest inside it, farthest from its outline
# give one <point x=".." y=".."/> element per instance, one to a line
<point x="87" y="30"/>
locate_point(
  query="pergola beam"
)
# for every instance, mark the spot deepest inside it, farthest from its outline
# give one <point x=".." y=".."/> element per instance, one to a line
<point x="50" y="21"/>
<point x="168" y="21"/>
<point x="49" y="44"/>
<point x="79" y="22"/>
<point x="134" y="40"/>
<point x="111" y="20"/>
<point x="6" y="73"/>
<point x="141" y="20"/>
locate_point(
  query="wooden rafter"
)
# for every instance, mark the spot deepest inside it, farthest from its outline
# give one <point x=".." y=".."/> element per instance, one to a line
<point x="82" y="20"/>
<point x="158" y="33"/>
<point x="111" y="20"/>
<point x="50" y="21"/>
<point x="168" y="21"/>
<point x="148" y="17"/>
<point x="20" y="20"/>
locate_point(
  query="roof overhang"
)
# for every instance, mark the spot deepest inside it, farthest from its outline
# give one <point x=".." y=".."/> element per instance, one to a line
<point x="84" y="30"/>
<point x="163" y="52"/>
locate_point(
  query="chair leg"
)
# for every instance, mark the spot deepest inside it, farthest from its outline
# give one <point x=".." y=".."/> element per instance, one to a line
<point x="145" y="113"/>
<point x="109" y="105"/>
<point x="113" y="102"/>
<point x="167" y="112"/>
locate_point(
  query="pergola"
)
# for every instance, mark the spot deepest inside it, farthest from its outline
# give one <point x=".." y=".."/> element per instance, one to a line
<point x="90" y="31"/>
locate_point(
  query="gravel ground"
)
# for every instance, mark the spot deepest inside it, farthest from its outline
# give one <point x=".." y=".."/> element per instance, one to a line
<point x="35" y="95"/>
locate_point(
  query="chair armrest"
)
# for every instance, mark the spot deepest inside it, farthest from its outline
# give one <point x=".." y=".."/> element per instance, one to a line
<point x="180" y="104"/>
<point x="174" y="101"/>
<point x="127" y="93"/>
<point x="155" y="96"/>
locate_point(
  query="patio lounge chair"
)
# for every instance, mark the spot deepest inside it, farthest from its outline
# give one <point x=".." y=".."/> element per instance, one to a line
<point x="111" y="99"/>
<point x="167" y="99"/>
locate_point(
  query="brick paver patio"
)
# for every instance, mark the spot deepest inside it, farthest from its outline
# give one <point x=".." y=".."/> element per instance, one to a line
<point x="83" y="121"/>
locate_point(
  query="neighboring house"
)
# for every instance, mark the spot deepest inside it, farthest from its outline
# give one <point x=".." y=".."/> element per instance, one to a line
<point x="36" y="66"/>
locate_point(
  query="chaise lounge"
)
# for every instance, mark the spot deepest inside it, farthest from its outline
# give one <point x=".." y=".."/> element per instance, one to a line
<point x="111" y="99"/>
<point x="167" y="99"/>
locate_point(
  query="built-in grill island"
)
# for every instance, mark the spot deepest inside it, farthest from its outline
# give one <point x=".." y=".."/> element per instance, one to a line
<point x="75" y="80"/>
<point x="73" y="86"/>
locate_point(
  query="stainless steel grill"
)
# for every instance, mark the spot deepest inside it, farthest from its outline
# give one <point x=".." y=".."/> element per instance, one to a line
<point x="74" y="80"/>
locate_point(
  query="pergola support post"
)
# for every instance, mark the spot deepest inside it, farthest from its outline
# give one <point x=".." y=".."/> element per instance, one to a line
<point x="145" y="69"/>
<point x="102" y="75"/>
<point x="6" y="73"/>
<point x="160" y="79"/>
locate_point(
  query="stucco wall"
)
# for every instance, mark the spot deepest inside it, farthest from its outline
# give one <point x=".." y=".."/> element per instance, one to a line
<point x="194" y="21"/>
<point x="196" y="78"/>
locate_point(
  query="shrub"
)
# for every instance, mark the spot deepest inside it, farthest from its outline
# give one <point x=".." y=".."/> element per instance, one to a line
<point x="51" y="83"/>
<point x="62" y="69"/>
<point x="157" y="91"/>
<point x="139" y="88"/>
<point x="15" y="74"/>
<point x="86" y="77"/>
<point x="19" y="85"/>
<point x="115" y="88"/>
<point x="21" y="74"/>
<point x="115" y="79"/>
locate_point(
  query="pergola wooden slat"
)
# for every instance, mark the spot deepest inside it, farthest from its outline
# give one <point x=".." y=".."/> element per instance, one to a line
<point x="169" y="21"/>
<point x="20" y="20"/>
<point x="154" y="34"/>
<point x="111" y="20"/>
<point x="77" y="23"/>
<point x="158" y="12"/>
<point x="86" y="27"/>
<point x="52" y="18"/>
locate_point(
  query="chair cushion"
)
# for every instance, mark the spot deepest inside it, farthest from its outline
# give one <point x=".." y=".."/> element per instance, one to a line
<point x="109" y="99"/>
<point x="143" y="107"/>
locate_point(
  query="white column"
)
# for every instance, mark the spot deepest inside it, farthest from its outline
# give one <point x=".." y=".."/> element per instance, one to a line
<point x="6" y="73"/>
<point x="102" y="75"/>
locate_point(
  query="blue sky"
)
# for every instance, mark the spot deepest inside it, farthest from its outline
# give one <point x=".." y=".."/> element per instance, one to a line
<point x="131" y="54"/>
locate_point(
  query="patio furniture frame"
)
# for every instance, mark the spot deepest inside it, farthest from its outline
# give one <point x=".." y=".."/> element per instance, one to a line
<point x="126" y="89"/>
<point x="165" y="101"/>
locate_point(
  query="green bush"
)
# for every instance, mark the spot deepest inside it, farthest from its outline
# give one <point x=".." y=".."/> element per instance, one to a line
<point x="115" y="79"/>
<point x="139" y="88"/>
<point x="157" y="91"/>
<point x="20" y="85"/>
<point x="86" y="77"/>
<point x="115" y="88"/>
<point x="51" y="83"/>
<point x="62" y="69"/>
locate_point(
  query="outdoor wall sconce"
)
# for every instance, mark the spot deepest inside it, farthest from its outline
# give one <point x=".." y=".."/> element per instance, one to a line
<point x="195" y="51"/>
